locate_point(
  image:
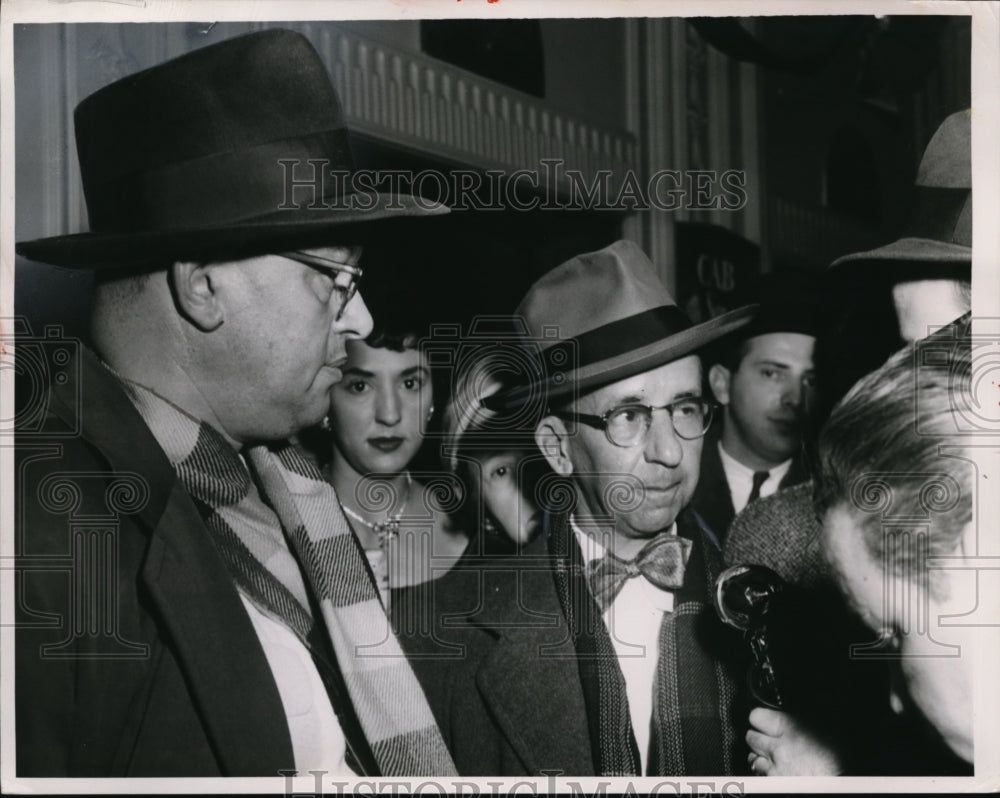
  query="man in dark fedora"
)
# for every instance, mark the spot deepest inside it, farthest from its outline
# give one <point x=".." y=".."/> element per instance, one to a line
<point x="192" y="602"/>
<point x="904" y="290"/>
<point x="594" y="649"/>
<point x="764" y="377"/>
<point x="928" y="270"/>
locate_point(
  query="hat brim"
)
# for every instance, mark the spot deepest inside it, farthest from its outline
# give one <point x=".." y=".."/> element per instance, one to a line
<point x="596" y="375"/>
<point x="116" y="250"/>
<point x="919" y="250"/>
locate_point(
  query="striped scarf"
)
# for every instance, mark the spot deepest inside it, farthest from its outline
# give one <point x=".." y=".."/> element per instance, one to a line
<point x="323" y="563"/>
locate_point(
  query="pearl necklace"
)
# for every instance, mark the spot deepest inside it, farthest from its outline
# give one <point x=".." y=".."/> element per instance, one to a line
<point x="389" y="528"/>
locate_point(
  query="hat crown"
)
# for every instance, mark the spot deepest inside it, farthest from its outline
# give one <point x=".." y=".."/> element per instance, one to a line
<point x="225" y="97"/>
<point x="599" y="318"/>
<point x="206" y="138"/>
<point x="230" y="150"/>
<point x="590" y="291"/>
<point x="947" y="161"/>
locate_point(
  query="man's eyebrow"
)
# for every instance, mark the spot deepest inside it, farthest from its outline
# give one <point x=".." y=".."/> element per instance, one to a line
<point x="627" y="399"/>
<point x="778" y="364"/>
<point x="635" y="399"/>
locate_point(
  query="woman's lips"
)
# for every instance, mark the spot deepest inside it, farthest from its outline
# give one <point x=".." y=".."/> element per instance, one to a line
<point x="386" y="444"/>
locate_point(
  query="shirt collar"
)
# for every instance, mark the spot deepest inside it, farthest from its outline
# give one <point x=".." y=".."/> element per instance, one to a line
<point x="733" y="466"/>
<point x="594" y="546"/>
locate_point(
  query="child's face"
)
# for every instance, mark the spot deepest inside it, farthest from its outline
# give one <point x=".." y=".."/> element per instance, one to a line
<point x="507" y="497"/>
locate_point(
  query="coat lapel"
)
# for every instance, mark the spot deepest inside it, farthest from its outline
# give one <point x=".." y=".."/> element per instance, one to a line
<point x="531" y="681"/>
<point x="217" y="648"/>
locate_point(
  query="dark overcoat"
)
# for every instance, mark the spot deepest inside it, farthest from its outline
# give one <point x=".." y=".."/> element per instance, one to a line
<point x="134" y="653"/>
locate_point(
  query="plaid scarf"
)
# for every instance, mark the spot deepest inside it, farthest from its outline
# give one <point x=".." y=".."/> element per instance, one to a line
<point x="326" y="565"/>
<point x="612" y="742"/>
<point x="692" y="731"/>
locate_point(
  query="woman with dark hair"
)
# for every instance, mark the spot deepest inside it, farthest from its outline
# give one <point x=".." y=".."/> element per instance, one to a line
<point x="378" y="417"/>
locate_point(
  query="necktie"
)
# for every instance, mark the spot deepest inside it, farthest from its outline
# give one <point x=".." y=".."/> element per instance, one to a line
<point x="759" y="478"/>
<point x="661" y="561"/>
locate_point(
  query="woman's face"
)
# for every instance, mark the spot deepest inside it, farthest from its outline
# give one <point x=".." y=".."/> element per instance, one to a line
<point x="505" y="499"/>
<point x="377" y="411"/>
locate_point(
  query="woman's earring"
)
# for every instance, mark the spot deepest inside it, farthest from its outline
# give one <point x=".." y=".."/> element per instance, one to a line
<point x="430" y="413"/>
<point x="325" y="424"/>
<point x="489" y="527"/>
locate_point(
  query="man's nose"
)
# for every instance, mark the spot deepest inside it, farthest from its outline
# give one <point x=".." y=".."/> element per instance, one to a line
<point x="792" y="394"/>
<point x="662" y="442"/>
<point x="356" y="320"/>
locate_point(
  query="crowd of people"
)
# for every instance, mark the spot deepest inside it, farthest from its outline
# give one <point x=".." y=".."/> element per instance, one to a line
<point x="290" y="592"/>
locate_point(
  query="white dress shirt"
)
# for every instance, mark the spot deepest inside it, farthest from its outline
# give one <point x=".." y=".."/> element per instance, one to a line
<point x="633" y="622"/>
<point x="318" y="742"/>
<point x="740" y="479"/>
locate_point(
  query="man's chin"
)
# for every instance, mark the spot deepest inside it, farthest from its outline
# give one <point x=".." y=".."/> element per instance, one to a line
<point x="647" y="524"/>
<point x="782" y="455"/>
<point x="786" y="440"/>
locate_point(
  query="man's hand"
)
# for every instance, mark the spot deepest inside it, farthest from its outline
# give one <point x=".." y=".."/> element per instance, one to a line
<point x="782" y="746"/>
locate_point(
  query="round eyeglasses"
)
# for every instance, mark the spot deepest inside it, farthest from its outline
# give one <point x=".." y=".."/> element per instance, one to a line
<point x="628" y="425"/>
<point x="331" y="268"/>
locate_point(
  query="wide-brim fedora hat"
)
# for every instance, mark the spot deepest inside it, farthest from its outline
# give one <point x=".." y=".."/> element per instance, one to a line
<point x="602" y="317"/>
<point x="939" y="228"/>
<point x="200" y="156"/>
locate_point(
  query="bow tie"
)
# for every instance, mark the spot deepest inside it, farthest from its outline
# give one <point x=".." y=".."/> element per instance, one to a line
<point x="661" y="561"/>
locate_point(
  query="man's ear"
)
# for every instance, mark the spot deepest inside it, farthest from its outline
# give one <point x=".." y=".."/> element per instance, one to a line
<point x="196" y="295"/>
<point x="552" y="439"/>
<point x="718" y="380"/>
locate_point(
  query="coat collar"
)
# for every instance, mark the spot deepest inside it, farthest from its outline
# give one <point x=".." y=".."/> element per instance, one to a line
<point x="217" y="649"/>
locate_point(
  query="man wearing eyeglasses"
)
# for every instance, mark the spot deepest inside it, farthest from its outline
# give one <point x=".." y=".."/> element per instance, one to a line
<point x="192" y="600"/>
<point x="595" y="650"/>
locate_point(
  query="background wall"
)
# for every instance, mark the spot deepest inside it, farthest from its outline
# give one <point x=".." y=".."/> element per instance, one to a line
<point x="827" y="118"/>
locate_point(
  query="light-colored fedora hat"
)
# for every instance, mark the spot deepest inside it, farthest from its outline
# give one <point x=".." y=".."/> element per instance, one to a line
<point x="940" y="223"/>
<point x="601" y="317"/>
